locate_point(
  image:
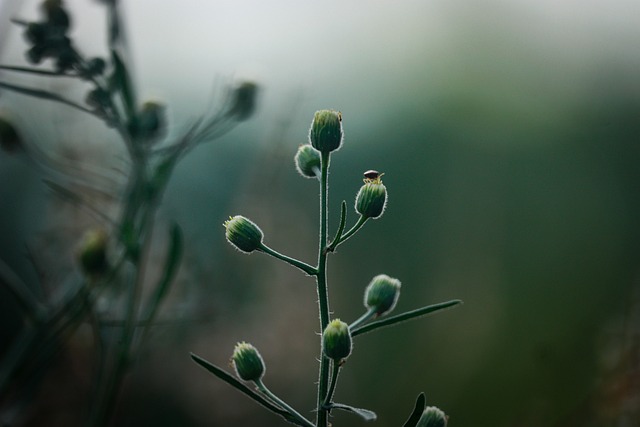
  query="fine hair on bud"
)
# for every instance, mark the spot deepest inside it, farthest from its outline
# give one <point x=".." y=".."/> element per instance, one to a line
<point x="432" y="417"/>
<point x="371" y="199"/>
<point x="382" y="294"/>
<point x="308" y="161"/>
<point x="247" y="362"/>
<point x="326" y="132"/>
<point x="336" y="340"/>
<point x="243" y="234"/>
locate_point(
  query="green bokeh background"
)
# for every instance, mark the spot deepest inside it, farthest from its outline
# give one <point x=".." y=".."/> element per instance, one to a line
<point x="509" y="135"/>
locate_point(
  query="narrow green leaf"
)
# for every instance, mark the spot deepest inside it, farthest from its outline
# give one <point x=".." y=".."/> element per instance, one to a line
<point x="343" y="221"/>
<point x="174" y="255"/>
<point x="43" y="94"/>
<point x="121" y="80"/>
<point x="38" y="71"/>
<point x="114" y="23"/>
<point x="366" y="414"/>
<point x="423" y="311"/>
<point x="238" y="385"/>
<point x="421" y="403"/>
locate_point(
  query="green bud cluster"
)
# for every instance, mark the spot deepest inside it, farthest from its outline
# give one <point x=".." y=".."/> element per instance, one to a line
<point x="243" y="234"/>
<point x="92" y="254"/>
<point x="336" y="340"/>
<point x="371" y="199"/>
<point x="308" y="161"/>
<point x="382" y="294"/>
<point x="247" y="362"/>
<point x="432" y="417"/>
<point x="326" y="132"/>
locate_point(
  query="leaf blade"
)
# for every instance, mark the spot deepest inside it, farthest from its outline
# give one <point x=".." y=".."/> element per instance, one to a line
<point x="418" y="409"/>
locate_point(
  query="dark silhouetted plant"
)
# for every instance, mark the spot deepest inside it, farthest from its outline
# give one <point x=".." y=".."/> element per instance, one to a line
<point x="114" y="254"/>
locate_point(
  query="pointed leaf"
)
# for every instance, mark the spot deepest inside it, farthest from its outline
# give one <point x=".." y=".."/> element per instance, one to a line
<point x="171" y="265"/>
<point x="121" y="81"/>
<point x="421" y="403"/>
<point x="43" y="94"/>
<point x="366" y="414"/>
<point x="423" y="311"/>
<point x="238" y="385"/>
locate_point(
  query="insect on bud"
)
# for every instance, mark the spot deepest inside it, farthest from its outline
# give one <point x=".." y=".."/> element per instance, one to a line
<point x="308" y="161"/>
<point x="382" y="294"/>
<point x="247" y="362"/>
<point x="92" y="254"/>
<point x="432" y="417"/>
<point x="372" y="197"/>
<point x="243" y="234"/>
<point x="326" y="131"/>
<point x="336" y="340"/>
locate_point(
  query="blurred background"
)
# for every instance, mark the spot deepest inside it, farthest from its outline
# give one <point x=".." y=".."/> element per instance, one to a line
<point x="509" y="135"/>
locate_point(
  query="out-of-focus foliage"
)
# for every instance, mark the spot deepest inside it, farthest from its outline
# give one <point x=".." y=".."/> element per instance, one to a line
<point x="509" y="135"/>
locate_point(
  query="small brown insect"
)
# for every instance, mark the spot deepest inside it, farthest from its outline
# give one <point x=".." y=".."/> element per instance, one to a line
<point x="372" y="174"/>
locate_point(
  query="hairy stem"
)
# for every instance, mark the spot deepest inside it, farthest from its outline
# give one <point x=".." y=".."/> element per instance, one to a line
<point x="302" y="420"/>
<point x="323" y="296"/>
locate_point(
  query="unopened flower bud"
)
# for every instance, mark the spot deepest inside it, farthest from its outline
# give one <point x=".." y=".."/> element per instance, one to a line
<point x="243" y="102"/>
<point x="308" y="161"/>
<point x="149" y="123"/>
<point x="326" y="131"/>
<point x="56" y="15"/>
<point x="247" y="362"/>
<point x="371" y="199"/>
<point x="336" y="340"/>
<point x="243" y="234"/>
<point x="92" y="254"/>
<point x="382" y="294"/>
<point x="432" y="417"/>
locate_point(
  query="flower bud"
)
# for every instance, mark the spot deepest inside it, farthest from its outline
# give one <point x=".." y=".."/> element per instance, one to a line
<point x="371" y="199"/>
<point x="243" y="234"/>
<point x="336" y="340"/>
<point x="432" y="417"/>
<point x="243" y="101"/>
<point x="308" y="161"/>
<point x="149" y="123"/>
<point x="247" y="362"/>
<point x="92" y="254"/>
<point x="326" y="131"/>
<point x="382" y="294"/>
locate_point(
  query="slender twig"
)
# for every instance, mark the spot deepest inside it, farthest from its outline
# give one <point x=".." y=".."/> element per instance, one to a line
<point x="321" y="278"/>
<point x="343" y="222"/>
<point x="305" y="422"/>
<point x="333" y="383"/>
<point x="311" y="271"/>
<point x="361" y="221"/>
<point x="362" y="319"/>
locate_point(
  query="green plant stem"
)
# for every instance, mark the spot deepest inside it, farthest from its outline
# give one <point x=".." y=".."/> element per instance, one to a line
<point x="311" y="271"/>
<point x="323" y="296"/>
<point x="343" y="221"/>
<point x="362" y="319"/>
<point x="358" y="225"/>
<point x="303" y="421"/>
<point x="332" y="385"/>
